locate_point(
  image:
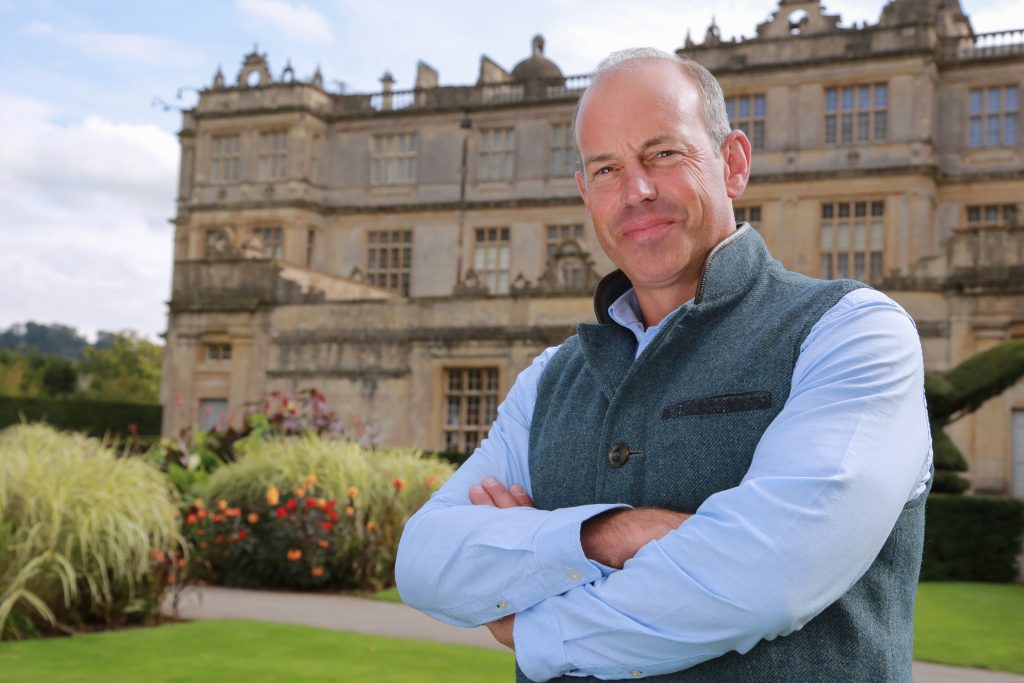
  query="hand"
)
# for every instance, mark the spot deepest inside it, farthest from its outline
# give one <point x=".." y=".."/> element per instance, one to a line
<point x="492" y="492"/>
<point x="502" y="630"/>
<point x="615" y="536"/>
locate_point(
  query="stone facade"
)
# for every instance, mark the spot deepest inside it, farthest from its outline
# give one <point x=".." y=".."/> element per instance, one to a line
<point x="408" y="252"/>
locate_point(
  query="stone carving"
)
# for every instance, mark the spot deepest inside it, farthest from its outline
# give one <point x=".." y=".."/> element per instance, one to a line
<point x="220" y="245"/>
<point x="471" y="285"/>
<point x="218" y="79"/>
<point x="252" y="248"/>
<point x="254" y="64"/>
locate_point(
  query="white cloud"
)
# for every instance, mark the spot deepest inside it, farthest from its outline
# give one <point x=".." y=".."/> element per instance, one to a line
<point x="85" y="212"/>
<point x="297" y="21"/>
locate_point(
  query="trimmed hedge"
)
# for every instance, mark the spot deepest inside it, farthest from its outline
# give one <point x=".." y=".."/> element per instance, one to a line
<point x="94" y="418"/>
<point x="972" y="538"/>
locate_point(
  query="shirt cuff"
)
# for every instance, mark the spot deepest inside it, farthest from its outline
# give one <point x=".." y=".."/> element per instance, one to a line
<point x="540" y="646"/>
<point x="559" y="552"/>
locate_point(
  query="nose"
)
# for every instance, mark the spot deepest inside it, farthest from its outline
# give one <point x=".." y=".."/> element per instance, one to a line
<point x="639" y="186"/>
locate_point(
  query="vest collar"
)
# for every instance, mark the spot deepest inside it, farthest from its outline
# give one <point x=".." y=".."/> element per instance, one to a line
<point x="729" y="268"/>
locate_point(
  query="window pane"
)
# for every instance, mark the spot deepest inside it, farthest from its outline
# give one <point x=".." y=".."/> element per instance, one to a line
<point x="974" y="139"/>
<point x="826" y="266"/>
<point x="992" y="138"/>
<point x="976" y="101"/>
<point x="744" y="107"/>
<point x="864" y="97"/>
<point x="831" y="99"/>
<point x="842" y="265"/>
<point x="847" y="99"/>
<point x="1012" y="102"/>
<point x="881" y="95"/>
<point x="994" y="96"/>
<point x="1010" y="129"/>
<point x="881" y="124"/>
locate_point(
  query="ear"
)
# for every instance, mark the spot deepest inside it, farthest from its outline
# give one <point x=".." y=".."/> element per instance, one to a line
<point x="581" y="185"/>
<point x="736" y="158"/>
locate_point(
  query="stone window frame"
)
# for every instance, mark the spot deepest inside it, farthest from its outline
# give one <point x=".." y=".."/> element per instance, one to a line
<point x="217" y="352"/>
<point x="562" y="161"/>
<point x="492" y="257"/>
<point x="1004" y="112"/>
<point x="555" y="235"/>
<point x="389" y="274"/>
<point x="497" y="155"/>
<point x="393" y="157"/>
<point x="868" y="113"/>
<point x="753" y="122"/>
<point x="271" y="239"/>
<point x="845" y="251"/>
<point x="225" y="164"/>
<point x="750" y="213"/>
<point x="998" y="214"/>
<point x="272" y="154"/>
<point x="463" y="426"/>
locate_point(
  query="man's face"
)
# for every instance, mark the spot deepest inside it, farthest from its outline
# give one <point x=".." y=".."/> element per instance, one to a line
<point x="659" y="194"/>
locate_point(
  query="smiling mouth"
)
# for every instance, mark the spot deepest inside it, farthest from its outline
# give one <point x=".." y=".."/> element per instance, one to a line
<point x="639" y="229"/>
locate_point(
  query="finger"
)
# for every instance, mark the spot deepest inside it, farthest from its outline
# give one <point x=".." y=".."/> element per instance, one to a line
<point x="499" y="494"/>
<point x="478" y="496"/>
<point x="520" y="495"/>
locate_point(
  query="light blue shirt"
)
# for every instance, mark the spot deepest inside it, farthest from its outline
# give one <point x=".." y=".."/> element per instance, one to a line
<point x="827" y="481"/>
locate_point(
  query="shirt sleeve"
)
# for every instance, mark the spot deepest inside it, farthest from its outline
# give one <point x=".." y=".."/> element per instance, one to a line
<point x="468" y="564"/>
<point x="827" y="482"/>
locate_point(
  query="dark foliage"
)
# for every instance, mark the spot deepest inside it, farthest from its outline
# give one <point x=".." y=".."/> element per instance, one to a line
<point x="96" y="418"/>
<point x="972" y="538"/>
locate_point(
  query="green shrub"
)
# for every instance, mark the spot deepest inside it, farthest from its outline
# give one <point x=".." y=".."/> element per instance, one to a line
<point x="308" y="512"/>
<point x="95" y="418"/>
<point x="85" y="537"/>
<point x="972" y="538"/>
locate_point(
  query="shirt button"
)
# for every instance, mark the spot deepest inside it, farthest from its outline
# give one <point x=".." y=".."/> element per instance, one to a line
<point x="574" y="575"/>
<point x="503" y="604"/>
<point x="636" y="674"/>
<point x="618" y="455"/>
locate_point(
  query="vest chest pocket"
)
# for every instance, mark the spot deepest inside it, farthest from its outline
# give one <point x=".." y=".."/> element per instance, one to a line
<point x="703" y="445"/>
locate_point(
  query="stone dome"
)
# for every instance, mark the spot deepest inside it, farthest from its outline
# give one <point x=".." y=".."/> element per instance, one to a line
<point x="536" y="66"/>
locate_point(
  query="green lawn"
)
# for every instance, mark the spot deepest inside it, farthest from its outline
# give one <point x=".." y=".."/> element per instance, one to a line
<point x="964" y="624"/>
<point x="387" y="595"/>
<point x="246" y="652"/>
<point x="970" y="624"/>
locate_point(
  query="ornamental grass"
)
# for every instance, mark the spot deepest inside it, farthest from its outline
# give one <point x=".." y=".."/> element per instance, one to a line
<point x="308" y="512"/>
<point x="85" y="537"/>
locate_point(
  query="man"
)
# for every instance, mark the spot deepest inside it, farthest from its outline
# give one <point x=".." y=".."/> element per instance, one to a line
<point x="723" y="479"/>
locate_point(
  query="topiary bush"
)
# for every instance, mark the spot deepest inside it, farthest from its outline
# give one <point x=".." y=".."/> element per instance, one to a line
<point x="308" y="512"/>
<point x="86" y="538"/>
<point x="972" y="538"/>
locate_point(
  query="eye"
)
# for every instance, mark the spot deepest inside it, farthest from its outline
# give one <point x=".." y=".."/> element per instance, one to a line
<point x="665" y="154"/>
<point x="604" y="170"/>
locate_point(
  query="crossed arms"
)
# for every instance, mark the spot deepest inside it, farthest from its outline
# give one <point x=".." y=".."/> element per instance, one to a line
<point x="826" y="484"/>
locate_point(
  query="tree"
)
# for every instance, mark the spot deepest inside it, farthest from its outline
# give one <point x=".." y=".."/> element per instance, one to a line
<point x="59" y="377"/>
<point x="127" y="370"/>
<point x="59" y="340"/>
<point x="961" y="391"/>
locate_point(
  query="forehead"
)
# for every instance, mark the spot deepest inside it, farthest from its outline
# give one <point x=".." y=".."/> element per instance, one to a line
<point x="637" y="102"/>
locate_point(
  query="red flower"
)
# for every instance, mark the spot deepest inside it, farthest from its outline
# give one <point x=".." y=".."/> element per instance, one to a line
<point x="399" y="484"/>
<point x="281" y="512"/>
<point x="333" y="515"/>
<point x="331" y="504"/>
<point x="242" y="534"/>
<point x="310" y="503"/>
<point x="191" y="519"/>
<point x="328" y="526"/>
<point x="133" y="429"/>
<point x="292" y="504"/>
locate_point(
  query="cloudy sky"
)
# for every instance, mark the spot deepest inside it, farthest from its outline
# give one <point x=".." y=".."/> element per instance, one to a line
<point x="88" y="163"/>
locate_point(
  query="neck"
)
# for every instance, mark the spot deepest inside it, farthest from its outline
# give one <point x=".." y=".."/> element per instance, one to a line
<point x="655" y="304"/>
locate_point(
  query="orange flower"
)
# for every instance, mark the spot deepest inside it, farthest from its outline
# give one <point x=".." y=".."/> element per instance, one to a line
<point x="201" y="514"/>
<point x="431" y="480"/>
<point x="353" y="491"/>
<point x="350" y="511"/>
<point x="253" y="518"/>
<point x="323" y="543"/>
<point x="311" y="479"/>
<point x="181" y="562"/>
<point x="317" y="572"/>
<point x="322" y="502"/>
<point x="300" y="492"/>
<point x="294" y="555"/>
<point x="170" y="580"/>
<point x="233" y="512"/>
<point x="199" y="504"/>
<point x="192" y="519"/>
<point x="203" y="545"/>
<point x="156" y="554"/>
<point x="222" y="505"/>
<point x="399" y="484"/>
<point x="273" y="496"/>
<point x="371" y="526"/>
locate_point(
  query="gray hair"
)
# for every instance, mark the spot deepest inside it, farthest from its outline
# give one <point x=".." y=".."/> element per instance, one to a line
<point x="709" y="92"/>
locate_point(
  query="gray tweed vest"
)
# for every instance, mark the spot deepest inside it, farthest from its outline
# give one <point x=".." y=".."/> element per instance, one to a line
<point x="681" y="422"/>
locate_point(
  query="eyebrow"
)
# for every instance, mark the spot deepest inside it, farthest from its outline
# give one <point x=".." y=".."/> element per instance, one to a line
<point x="647" y="144"/>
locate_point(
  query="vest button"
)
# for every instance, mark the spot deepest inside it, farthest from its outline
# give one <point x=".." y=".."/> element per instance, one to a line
<point x="618" y="455"/>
